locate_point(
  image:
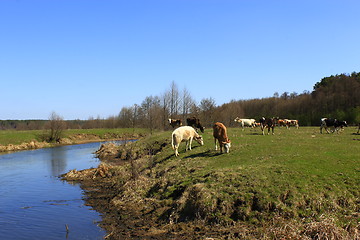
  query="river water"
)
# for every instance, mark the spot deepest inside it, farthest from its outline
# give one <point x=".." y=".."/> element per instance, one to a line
<point x="36" y="204"/>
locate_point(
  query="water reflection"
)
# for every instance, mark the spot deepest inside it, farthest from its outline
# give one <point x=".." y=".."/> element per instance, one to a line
<point x="35" y="204"/>
<point x="58" y="161"/>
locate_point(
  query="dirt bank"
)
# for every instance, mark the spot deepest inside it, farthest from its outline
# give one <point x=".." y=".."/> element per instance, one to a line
<point x="126" y="216"/>
<point x="73" y="139"/>
<point x="24" y="146"/>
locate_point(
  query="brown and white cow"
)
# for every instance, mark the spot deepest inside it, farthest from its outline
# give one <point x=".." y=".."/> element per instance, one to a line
<point x="184" y="134"/>
<point x="175" y="122"/>
<point x="195" y="123"/>
<point x="219" y="133"/>
<point x="267" y="123"/>
<point x="289" y="123"/>
<point x="281" y="122"/>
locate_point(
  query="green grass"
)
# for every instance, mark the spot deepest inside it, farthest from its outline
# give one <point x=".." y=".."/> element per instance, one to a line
<point x="296" y="173"/>
<point x="18" y="137"/>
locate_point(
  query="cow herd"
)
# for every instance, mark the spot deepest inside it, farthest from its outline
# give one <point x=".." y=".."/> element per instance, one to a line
<point x="190" y="132"/>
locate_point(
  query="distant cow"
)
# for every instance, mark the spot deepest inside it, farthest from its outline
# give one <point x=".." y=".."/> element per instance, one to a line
<point x="289" y="123"/>
<point x="219" y="133"/>
<point x="245" y="122"/>
<point x="175" y="122"/>
<point x="184" y="134"/>
<point x="195" y="123"/>
<point x="334" y="123"/>
<point x="281" y="122"/>
<point x="267" y="123"/>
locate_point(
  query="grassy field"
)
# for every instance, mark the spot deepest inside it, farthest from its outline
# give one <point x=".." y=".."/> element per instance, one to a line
<point x="296" y="175"/>
<point x="18" y="137"/>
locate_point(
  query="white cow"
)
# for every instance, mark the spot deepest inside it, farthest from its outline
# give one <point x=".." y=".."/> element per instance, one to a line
<point x="184" y="134"/>
<point x="246" y="122"/>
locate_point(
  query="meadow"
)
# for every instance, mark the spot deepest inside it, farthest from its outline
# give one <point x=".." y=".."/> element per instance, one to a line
<point x="297" y="179"/>
<point x="17" y="137"/>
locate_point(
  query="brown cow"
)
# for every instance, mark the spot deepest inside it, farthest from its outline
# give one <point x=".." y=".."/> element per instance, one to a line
<point x="195" y="123"/>
<point x="221" y="135"/>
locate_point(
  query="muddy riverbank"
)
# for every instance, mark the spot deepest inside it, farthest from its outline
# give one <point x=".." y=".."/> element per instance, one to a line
<point x="71" y="140"/>
<point x="126" y="215"/>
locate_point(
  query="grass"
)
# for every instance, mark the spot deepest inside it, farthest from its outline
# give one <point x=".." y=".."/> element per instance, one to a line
<point x="295" y="174"/>
<point x="17" y="137"/>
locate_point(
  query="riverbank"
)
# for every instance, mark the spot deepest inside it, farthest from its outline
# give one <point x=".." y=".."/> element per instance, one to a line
<point x="28" y="140"/>
<point x="297" y="185"/>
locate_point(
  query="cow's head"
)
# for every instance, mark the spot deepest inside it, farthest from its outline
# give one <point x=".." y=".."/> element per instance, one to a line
<point x="237" y="119"/>
<point x="200" y="140"/>
<point x="227" y="146"/>
<point x="345" y="124"/>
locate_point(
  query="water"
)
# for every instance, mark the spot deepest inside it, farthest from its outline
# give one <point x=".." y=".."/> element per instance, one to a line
<point x="36" y="204"/>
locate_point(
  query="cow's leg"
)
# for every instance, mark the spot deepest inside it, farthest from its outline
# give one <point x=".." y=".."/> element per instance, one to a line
<point x="215" y="144"/>
<point x="272" y="129"/>
<point x="326" y="128"/>
<point x="188" y="145"/>
<point x="176" y="150"/>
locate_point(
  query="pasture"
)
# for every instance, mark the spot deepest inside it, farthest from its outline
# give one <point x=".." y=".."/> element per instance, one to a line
<point x="296" y="175"/>
<point x="17" y="137"/>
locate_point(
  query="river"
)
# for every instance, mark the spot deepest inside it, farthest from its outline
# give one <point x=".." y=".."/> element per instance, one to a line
<point x="36" y="204"/>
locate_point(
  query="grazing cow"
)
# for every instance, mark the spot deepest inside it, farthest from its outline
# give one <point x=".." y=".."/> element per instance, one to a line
<point x="245" y="122"/>
<point x="184" y="134"/>
<point x="175" y="122"/>
<point x="281" y="122"/>
<point x="219" y="133"/>
<point x="334" y="123"/>
<point x="267" y="123"/>
<point x="195" y="123"/>
<point x="289" y="123"/>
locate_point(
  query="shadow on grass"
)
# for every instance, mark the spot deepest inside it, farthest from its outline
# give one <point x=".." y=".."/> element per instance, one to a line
<point x="256" y="133"/>
<point x="208" y="153"/>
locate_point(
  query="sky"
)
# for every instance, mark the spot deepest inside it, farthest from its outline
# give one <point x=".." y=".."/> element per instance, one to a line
<point x="90" y="58"/>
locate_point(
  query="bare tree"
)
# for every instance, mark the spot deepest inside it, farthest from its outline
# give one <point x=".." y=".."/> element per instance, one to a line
<point x="187" y="103"/>
<point x="174" y="100"/>
<point x="207" y="107"/>
<point x="55" y="127"/>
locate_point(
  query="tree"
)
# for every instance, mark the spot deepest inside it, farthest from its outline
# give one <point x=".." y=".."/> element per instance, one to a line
<point x="187" y="103"/>
<point x="174" y="100"/>
<point x="207" y="107"/>
<point x="55" y="127"/>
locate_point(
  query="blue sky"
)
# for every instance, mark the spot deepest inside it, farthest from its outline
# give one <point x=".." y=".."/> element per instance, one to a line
<point x="90" y="58"/>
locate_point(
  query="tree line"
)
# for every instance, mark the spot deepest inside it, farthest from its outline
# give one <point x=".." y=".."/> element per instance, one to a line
<point x="336" y="96"/>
